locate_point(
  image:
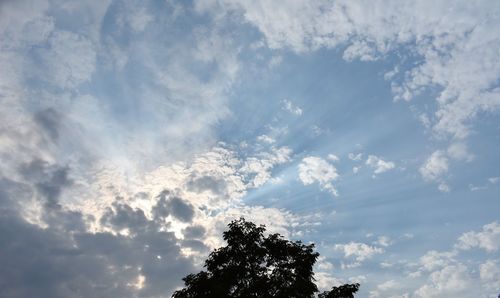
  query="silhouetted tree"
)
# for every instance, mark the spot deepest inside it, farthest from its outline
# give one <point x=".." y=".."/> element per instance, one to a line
<point x="252" y="265"/>
<point x="344" y="291"/>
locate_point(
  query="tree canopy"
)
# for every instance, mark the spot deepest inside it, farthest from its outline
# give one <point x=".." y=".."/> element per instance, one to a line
<point x="253" y="265"/>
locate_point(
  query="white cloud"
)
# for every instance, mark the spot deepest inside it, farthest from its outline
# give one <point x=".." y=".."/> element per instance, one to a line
<point x="355" y="170"/>
<point x="290" y="107"/>
<point x="488" y="238"/>
<point x="379" y="164"/>
<point x="443" y="187"/>
<point x="433" y="260"/>
<point x="314" y="169"/>
<point x="459" y="151"/>
<point x="260" y="166"/>
<point x="454" y="42"/>
<point x="360" y="251"/>
<point x="445" y="274"/>
<point x="490" y="274"/>
<point x="451" y="281"/>
<point x="333" y="157"/>
<point x="325" y="281"/>
<point x="390" y="284"/>
<point x="384" y="241"/>
<point x="323" y="265"/>
<point x="386" y="289"/>
<point x="435" y="167"/>
<point x="265" y="139"/>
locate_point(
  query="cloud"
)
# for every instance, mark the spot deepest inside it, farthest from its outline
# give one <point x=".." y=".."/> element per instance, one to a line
<point x="433" y="260"/>
<point x="203" y="183"/>
<point x="434" y="168"/>
<point x="355" y="157"/>
<point x="449" y="281"/>
<point x="194" y="232"/>
<point x="314" y="169"/>
<point x="127" y="239"/>
<point x="384" y="241"/>
<point x="333" y="157"/>
<point x="50" y="120"/>
<point x="447" y="275"/>
<point x="65" y="260"/>
<point x="458" y="151"/>
<point x="379" y="164"/>
<point x="135" y="15"/>
<point x="457" y="56"/>
<point x="70" y="57"/>
<point x="494" y="180"/>
<point x="49" y="180"/>
<point x="258" y="169"/>
<point x="488" y="238"/>
<point x="265" y="139"/>
<point x="101" y="117"/>
<point x="385" y="288"/>
<point x="180" y="209"/>
<point x="490" y="274"/>
<point x="360" y="251"/>
<point x="290" y="107"/>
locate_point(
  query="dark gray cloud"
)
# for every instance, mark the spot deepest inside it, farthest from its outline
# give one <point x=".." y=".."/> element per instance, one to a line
<point x="122" y="216"/>
<point x="161" y="209"/>
<point x="170" y="204"/>
<point x="194" y="232"/>
<point x="199" y="184"/>
<point x="50" y="121"/>
<point x="49" y="180"/>
<point x="180" y="209"/>
<point x="66" y="260"/>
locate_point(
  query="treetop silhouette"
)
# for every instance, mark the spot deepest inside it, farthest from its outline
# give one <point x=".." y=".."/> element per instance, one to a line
<point x="253" y="265"/>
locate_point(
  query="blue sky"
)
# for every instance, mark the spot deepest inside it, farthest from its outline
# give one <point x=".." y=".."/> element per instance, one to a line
<point x="132" y="132"/>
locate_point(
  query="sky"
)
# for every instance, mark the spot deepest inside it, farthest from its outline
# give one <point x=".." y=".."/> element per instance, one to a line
<point x="133" y="132"/>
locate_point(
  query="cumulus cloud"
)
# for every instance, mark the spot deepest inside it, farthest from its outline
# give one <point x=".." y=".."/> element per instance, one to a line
<point x="447" y="275"/>
<point x="385" y="288"/>
<point x="359" y="251"/>
<point x="488" y="239"/>
<point x="379" y="165"/>
<point x="435" y="168"/>
<point x="314" y="169"/>
<point x="433" y="260"/>
<point x="490" y="274"/>
<point x="453" y="280"/>
<point x="259" y="168"/>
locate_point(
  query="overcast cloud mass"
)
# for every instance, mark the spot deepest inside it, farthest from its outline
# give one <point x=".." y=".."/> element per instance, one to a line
<point x="132" y="132"/>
